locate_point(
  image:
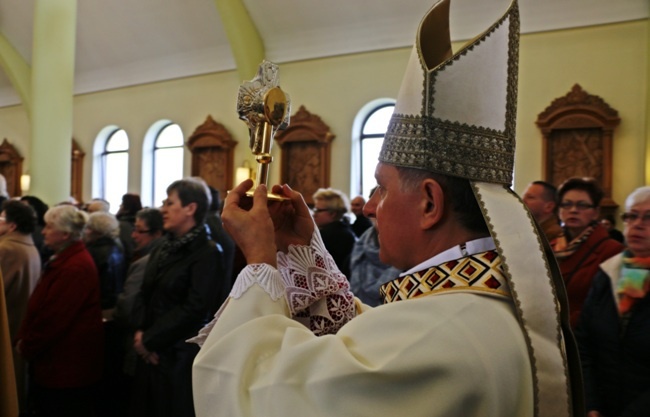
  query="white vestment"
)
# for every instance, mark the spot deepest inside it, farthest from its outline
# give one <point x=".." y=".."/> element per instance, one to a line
<point x="451" y="354"/>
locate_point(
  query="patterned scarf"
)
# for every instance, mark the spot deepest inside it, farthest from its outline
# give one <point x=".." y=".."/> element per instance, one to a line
<point x="563" y="249"/>
<point x="634" y="282"/>
<point x="171" y="245"/>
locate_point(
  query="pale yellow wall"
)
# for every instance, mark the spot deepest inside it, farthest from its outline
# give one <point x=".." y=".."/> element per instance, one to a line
<point x="608" y="61"/>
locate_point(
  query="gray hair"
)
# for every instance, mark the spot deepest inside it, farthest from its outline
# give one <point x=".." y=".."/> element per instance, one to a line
<point x="638" y="196"/>
<point x="67" y="219"/>
<point x="103" y="224"/>
<point x="100" y="204"/>
<point x="193" y="190"/>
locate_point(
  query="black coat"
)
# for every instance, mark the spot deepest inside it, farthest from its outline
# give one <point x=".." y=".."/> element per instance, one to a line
<point x="339" y="240"/>
<point x="615" y="354"/>
<point x="179" y="294"/>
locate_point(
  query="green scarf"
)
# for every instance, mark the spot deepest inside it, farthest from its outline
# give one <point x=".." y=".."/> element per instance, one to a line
<point x="634" y="282"/>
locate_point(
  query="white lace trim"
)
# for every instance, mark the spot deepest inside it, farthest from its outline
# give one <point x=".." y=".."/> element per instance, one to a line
<point x="263" y="275"/>
<point x="317" y="293"/>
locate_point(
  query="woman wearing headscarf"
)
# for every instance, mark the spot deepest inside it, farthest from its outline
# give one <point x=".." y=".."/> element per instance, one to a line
<point x="183" y="281"/>
<point x="585" y="243"/>
<point x="614" y="328"/>
<point x="61" y="335"/>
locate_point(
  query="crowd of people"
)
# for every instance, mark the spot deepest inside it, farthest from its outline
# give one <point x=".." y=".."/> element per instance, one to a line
<point x="478" y="293"/>
<point x="606" y="274"/>
<point x="99" y="329"/>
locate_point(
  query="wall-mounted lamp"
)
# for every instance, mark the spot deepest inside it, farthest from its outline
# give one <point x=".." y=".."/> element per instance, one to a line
<point x="243" y="173"/>
<point x="25" y="181"/>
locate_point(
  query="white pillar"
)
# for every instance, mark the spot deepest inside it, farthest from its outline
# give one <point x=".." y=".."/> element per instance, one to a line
<point x="52" y="99"/>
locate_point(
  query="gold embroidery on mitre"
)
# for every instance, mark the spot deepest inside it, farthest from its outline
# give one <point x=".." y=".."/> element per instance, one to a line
<point x="482" y="272"/>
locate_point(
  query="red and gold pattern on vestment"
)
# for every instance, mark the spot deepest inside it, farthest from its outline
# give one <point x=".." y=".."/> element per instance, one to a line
<point x="482" y="272"/>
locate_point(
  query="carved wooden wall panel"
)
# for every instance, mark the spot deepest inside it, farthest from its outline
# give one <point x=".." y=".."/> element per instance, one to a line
<point x="578" y="131"/>
<point x="76" y="174"/>
<point x="11" y="166"/>
<point x="212" y="148"/>
<point x="306" y="153"/>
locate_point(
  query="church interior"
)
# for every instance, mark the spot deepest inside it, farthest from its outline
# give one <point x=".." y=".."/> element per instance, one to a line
<point x="74" y="70"/>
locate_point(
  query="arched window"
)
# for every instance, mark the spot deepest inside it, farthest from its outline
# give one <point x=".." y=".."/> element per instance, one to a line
<point x="111" y="173"/>
<point x="370" y="127"/>
<point x="162" y="161"/>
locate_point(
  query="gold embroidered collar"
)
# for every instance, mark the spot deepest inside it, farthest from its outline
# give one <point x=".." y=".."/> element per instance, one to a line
<point x="481" y="272"/>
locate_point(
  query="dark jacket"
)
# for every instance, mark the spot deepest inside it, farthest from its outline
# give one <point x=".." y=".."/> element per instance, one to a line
<point x="613" y="351"/>
<point x="339" y="239"/>
<point x="111" y="266"/>
<point x="179" y="293"/>
<point x="127" y="223"/>
<point x="62" y="334"/>
<point x="360" y="225"/>
<point x="219" y="235"/>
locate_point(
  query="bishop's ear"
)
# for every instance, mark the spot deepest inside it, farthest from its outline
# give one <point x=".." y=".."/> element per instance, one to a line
<point x="433" y="203"/>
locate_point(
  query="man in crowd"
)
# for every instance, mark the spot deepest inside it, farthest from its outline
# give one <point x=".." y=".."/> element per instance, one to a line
<point x="472" y="328"/>
<point x="361" y="222"/>
<point x="541" y="199"/>
<point x="20" y="263"/>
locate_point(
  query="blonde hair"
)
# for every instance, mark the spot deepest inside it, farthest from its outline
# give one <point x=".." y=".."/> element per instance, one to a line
<point x="335" y="200"/>
<point x="68" y="219"/>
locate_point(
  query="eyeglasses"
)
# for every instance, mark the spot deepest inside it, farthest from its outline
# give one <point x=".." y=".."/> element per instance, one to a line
<point x="580" y="205"/>
<point x="632" y="217"/>
<point x="142" y="232"/>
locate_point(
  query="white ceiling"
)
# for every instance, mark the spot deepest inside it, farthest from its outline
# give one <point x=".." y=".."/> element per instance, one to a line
<point x="129" y="42"/>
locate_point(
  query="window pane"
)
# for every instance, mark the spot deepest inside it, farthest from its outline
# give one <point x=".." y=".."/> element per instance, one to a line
<point x="168" y="167"/>
<point x="370" y="148"/>
<point x="170" y="136"/>
<point x="377" y="123"/>
<point x="115" y="178"/>
<point x="118" y="141"/>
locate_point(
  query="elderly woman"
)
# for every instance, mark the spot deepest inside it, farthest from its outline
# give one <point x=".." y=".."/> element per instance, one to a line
<point x="585" y="243"/>
<point x="614" y="328"/>
<point x="330" y="209"/>
<point x="101" y="237"/>
<point x="61" y="336"/>
<point x="183" y="284"/>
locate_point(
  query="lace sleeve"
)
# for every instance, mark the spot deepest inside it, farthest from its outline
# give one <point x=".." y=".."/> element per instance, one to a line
<point x="317" y="293"/>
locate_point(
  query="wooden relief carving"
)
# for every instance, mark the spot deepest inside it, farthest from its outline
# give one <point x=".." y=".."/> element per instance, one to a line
<point x="578" y="131"/>
<point x="576" y="153"/>
<point x="76" y="174"/>
<point x="11" y="166"/>
<point x="306" y="153"/>
<point x="212" y="148"/>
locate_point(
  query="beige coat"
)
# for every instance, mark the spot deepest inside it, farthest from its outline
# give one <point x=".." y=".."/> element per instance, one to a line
<point x="20" y="263"/>
<point x="21" y="269"/>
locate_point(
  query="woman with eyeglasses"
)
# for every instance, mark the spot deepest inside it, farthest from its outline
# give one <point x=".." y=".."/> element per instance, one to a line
<point x="614" y="328"/>
<point x="585" y="243"/>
